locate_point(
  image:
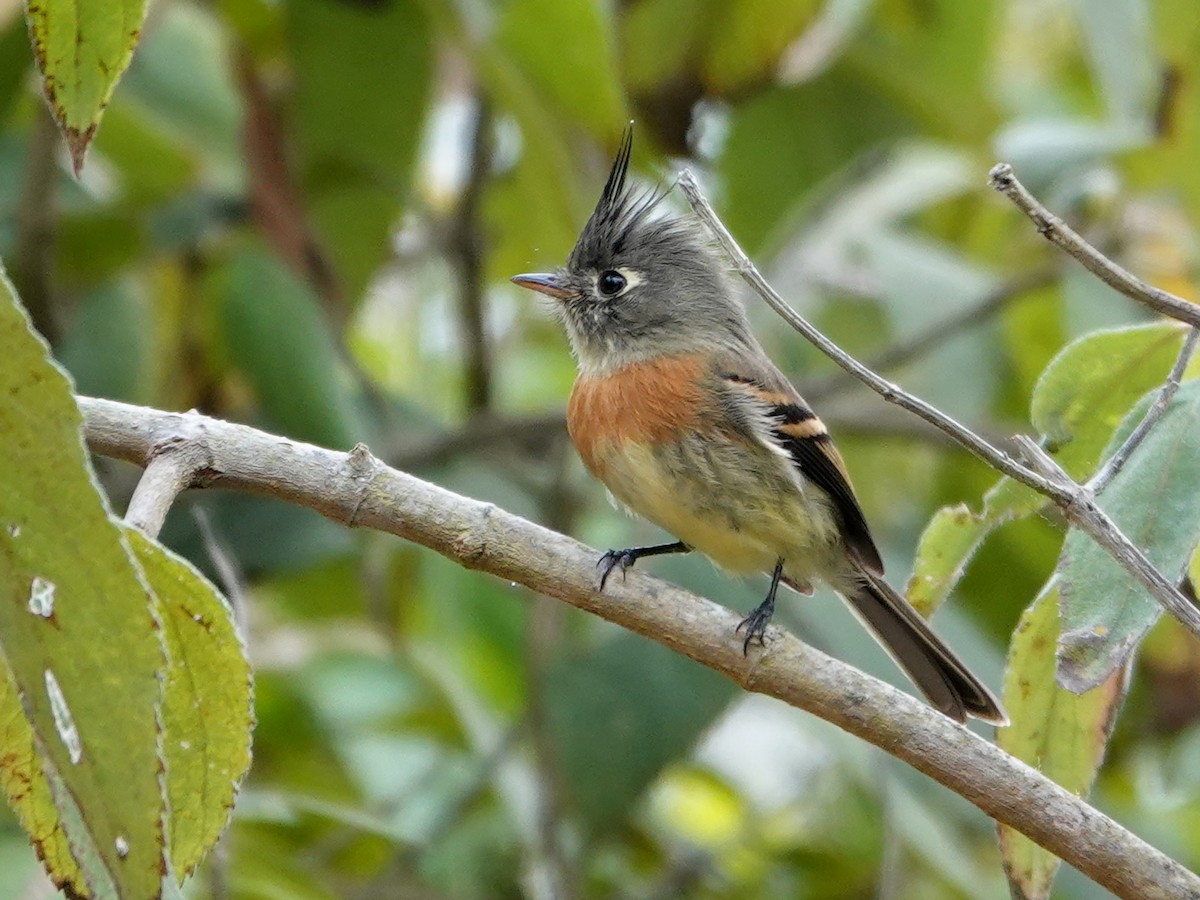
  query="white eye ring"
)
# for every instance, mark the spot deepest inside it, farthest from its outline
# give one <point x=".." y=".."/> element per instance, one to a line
<point x="621" y="279"/>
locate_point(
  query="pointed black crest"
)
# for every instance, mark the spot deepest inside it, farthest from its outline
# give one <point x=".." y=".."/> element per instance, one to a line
<point x="617" y="214"/>
<point x="614" y="188"/>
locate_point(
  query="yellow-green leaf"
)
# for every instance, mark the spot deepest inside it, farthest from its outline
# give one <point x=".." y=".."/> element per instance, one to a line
<point x="1060" y="733"/>
<point x="79" y="641"/>
<point x="955" y="533"/>
<point x="82" y="49"/>
<point x="947" y="544"/>
<point x="25" y="785"/>
<point x="207" y="711"/>
<point x="1090" y="385"/>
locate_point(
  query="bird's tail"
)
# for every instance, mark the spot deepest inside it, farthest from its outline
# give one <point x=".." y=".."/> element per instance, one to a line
<point x="932" y="666"/>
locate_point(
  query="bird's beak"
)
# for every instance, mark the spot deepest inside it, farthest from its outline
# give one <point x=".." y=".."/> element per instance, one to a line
<point x="544" y="284"/>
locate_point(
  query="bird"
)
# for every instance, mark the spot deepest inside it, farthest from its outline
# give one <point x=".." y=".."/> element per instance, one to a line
<point x="677" y="409"/>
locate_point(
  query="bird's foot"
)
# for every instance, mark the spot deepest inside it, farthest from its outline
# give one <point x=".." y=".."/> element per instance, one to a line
<point x="613" y="559"/>
<point x="756" y="624"/>
<point x="627" y="557"/>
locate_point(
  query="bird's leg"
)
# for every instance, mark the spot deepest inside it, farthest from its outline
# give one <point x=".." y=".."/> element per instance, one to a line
<point x="756" y="623"/>
<point x="626" y="558"/>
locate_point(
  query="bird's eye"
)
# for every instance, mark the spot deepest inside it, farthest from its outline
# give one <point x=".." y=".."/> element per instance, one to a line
<point x="611" y="282"/>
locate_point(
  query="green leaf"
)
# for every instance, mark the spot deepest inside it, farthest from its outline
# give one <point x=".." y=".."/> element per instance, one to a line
<point x="276" y="335"/>
<point x="566" y="48"/>
<point x="81" y="50"/>
<point x="363" y="74"/>
<point x="207" y="709"/>
<point x="955" y="533"/>
<point x="1106" y="611"/>
<point x="24" y="781"/>
<point x="1090" y="385"/>
<point x="79" y="641"/>
<point x="1076" y="403"/>
<point x="946" y="546"/>
<point x="621" y="713"/>
<point x="1060" y="733"/>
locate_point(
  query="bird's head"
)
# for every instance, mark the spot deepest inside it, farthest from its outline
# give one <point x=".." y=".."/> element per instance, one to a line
<point x="639" y="285"/>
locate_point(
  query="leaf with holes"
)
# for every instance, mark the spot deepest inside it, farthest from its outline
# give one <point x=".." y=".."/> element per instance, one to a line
<point x="1060" y="733"/>
<point x="81" y="649"/>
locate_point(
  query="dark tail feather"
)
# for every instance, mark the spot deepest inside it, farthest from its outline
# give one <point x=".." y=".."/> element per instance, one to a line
<point x="932" y="666"/>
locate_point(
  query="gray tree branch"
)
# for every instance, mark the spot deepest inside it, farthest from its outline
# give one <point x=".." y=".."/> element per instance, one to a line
<point x="356" y="489"/>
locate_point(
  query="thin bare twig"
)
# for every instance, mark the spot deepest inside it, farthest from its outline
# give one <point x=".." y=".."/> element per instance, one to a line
<point x="1077" y="502"/>
<point x="919" y="345"/>
<point x="357" y="490"/>
<point x="1117" y="461"/>
<point x="1057" y="232"/>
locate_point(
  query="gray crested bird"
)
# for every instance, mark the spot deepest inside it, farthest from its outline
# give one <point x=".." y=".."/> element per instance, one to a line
<point x="682" y="416"/>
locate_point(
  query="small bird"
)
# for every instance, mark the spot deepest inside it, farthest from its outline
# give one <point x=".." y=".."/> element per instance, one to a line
<point x="682" y="416"/>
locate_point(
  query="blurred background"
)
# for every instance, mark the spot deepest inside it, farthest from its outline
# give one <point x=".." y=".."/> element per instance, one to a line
<point x="302" y="214"/>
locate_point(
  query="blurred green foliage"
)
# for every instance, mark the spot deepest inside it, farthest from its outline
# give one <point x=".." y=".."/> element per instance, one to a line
<point x="279" y="222"/>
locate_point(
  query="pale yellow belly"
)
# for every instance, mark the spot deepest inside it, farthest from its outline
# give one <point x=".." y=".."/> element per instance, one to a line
<point x="741" y="520"/>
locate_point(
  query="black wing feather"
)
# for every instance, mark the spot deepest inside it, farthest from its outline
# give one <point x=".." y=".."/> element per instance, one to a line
<point x="811" y="456"/>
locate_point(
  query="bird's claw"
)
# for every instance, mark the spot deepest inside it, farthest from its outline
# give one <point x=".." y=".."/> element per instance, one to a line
<point x="756" y="628"/>
<point x="611" y="560"/>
